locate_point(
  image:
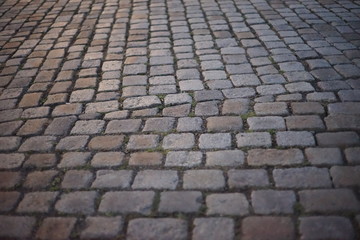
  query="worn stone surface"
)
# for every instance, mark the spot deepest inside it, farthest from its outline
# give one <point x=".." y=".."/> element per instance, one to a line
<point x="179" y="119"/>
<point x="157" y="179"/>
<point x="56" y="228"/>
<point x="306" y="177"/>
<point x="204" y="179"/>
<point x="273" y="202"/>
<point x="16" y="226"/>
<point x="162" y="228"/>
<point x="326" y="227"/>
<point x="182" y="201"/>
<point x="274" y="157"/>
<point x="329" y="200"/>
<point x="127" y="202"/>
<point x="225" y="158"/>
<point x="213" y="228"/>
<point x="259" y="227"/>
<point x="227" y="204"/>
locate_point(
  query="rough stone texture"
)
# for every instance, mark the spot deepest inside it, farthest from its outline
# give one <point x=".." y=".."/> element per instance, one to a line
<point x="137" y="142"/>
<point x="224" y="124"/>
<point x="112" y="179"/>
<point x="273" y="202"/>
<point x="268" y="228"/>
<point x="123" y="126"/>
<point x="161" y="229"/>
<point x="337" y="139"/>
<point x="159" y="124"/>
<point x="213" y="228"/>
<point x="183" y="201"/>
<point x="210" y="114"/>
<point x="247" y="178"/>
<point x="38" y="144"/>
<point x="215" y="141"/>
<point x="106" y="142"/>
<point x="183" y="159"/>
<point x="72" y="143"/>
<point x="256" y="139"/>
<point x="270" y="157"/>
<point x="345" y="176"/>
<point x="204" y="179"/>
<point x="16" y="226"/>
<point x="225" y="158"/>
<point x="179" y="141"/>
<point x="102" y="227"/>
<point x="292" y="139"/>
<point x="227" y="204"/>
<point x="107" y="159"/>
<point x="326" y="227"/>
<point x="324" y="156"/>
<point x="37" y="202"/>
<point x="77" y="179"/>
<point x="76" y="202"/>
<point x="353" y="155"/>
<point x="266" y="123"/>
<point x="145" y="158"/>
<point x="10" y="161"/>
<point x="329" y="200"/>
<point x="56" y="228"/>
<point x="157" y="179"/>
<point x="141" y="102"/>
<point x="8" y="200"/>
<point x="88" y="127"/>
<point x="127" y="202"/>
<point x="306" y="177"/>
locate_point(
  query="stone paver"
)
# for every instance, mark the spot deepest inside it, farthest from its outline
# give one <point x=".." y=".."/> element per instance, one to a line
<point x="327" y="227"/>
<point x="201" y="119"/>
<point x="213" y="228"/>
<point x="102" y="227"/>
<point x="268" y="228"/>
<point x="162" y="228"/>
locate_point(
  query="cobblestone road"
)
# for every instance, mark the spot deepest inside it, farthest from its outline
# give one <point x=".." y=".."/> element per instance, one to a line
<point x="180" y="119"/>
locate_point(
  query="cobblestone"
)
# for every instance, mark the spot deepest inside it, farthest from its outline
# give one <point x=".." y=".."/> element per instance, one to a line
<point x="37" y="202"/>
<point x="179" y="119"/>
<point x="102" y="227"/>
<point x="127" y="202"/>
<point x="204" y="179"/>
<point x="225" y="158"/>
<point x="179" y="141"/>
<point x="16" y="226"/>
<point x="265" y="123"/>
<point x="256" y="139"/>
<point x="183" y="201"/>
<point x="213" y="228"/>
<point x="77" y="203"/>
<point x="345" y="176"/>
<point x="273" y="202"/>
<point x="268" y="227"/>
<point x="352" y="155"/>
<point x="162" y="228"/>
<point x="329" y="200"/>
<point x="307" y="177"/>
<point x="8" y="200"/>
<point x="293" y="138"/>
<point x="258" y="157"/>
<point x="326" y="227"/>
<point x="112" y="179"/>
<point x="157" y="179"/>
<point x="224" y="124"/>
<point x="227" y="204"/>
<point x="56" y="228"/>
<point x="215" y="141"/>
